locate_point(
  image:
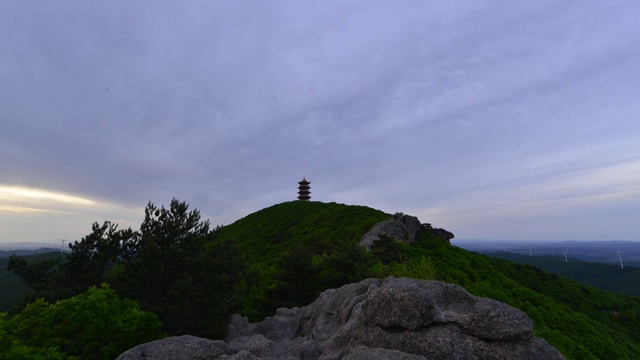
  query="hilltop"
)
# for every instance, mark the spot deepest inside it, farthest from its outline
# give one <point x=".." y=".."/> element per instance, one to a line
<point x="264" y="236"/>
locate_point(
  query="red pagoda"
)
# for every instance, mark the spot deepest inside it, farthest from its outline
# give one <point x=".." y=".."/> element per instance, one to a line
<point x="303" y="190"/>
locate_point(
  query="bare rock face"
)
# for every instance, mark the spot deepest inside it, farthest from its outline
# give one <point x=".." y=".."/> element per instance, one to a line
<point x="398" y="319"/>
<point x="178" y="348"/>
<point x="402" y="228"/>
<point x="443" y="234"/>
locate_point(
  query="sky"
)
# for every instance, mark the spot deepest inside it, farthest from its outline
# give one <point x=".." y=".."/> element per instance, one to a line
<point x="492" y="119"/>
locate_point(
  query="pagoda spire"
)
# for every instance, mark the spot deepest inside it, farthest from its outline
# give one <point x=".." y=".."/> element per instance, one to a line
<point x="303" y="190"/>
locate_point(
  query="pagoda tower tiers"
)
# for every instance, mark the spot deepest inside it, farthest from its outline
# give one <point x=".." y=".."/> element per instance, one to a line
<point x="303" y="190"/>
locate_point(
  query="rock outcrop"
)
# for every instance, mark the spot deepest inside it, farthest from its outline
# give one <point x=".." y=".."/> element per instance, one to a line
<point x="400" y="319"/>
<point x="179" y="348"/>
<point x="443" y="234"/>
<point x="403" y="228"/>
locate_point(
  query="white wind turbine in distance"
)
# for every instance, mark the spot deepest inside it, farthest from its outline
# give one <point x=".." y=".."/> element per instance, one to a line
<point x="620" y="258"/>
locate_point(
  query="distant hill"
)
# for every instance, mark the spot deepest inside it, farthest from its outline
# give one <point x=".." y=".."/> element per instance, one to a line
<point x="29" y="245"/>
<point x="603" y="276"/>
<point x="11" y="287"/>
<point x="26" y="252"/>
<point x="592" y="251"/>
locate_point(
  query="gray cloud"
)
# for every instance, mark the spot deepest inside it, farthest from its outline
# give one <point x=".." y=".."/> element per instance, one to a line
<point x="410" y="106"/>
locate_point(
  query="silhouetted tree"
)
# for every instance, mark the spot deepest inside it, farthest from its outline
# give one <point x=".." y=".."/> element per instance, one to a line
<point x="42" y="278"/>
<point x="173" y="266"/>
<point x="180" y="272"/>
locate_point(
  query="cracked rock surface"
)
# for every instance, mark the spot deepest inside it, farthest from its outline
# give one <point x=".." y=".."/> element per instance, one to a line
<point x="400" y="319"/>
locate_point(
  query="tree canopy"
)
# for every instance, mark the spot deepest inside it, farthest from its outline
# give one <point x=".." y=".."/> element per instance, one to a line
<point x="173" y="267"/>
<point x="96" y="324"/>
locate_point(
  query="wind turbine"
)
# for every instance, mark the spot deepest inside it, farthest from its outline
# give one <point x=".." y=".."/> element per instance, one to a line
<point x="620" y="257"/>
<point x="529" y="252"/>
<point x="565" y="255"/>
<point x="553" y="251"/>
<point x="62" y="247"/>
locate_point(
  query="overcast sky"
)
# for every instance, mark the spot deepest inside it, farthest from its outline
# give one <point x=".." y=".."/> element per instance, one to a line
<point x="493" y="119"/>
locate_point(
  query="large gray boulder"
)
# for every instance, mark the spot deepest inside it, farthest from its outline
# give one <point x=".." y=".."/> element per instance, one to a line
<point x="402" y="228"/>
<point x="443" y="234"/>
<point x="397" y="319"/>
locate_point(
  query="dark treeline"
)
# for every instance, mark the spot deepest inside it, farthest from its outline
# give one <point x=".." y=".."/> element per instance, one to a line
<point x="173" y="267"/>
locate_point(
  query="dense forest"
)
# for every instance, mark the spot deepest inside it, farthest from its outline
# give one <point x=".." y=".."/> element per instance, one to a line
<point x="178" y="275"/>
<point x="609" y="277"/>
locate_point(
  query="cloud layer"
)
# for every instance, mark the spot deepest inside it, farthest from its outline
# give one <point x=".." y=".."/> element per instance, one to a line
<point x="492" y="119"/>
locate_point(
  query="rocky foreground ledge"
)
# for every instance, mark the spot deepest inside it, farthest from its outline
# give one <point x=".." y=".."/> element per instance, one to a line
<point x="399" y="319"/>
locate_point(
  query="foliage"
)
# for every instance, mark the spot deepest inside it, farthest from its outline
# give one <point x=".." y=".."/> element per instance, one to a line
<point x="296" y="249"/>
<point x="310" y="267"/>
<point x="96" y="254"/>
<point x="12" y="288"/>
<point x="266" y="235"/>
<point x="174" y="275"/>
<point x="419" y="267"/>
<point x="173" y="266"/>
<point x="93" y="325"/>
<point x="41" y="277"/>
<point x="609" y="277"/>
<point x="193" y="276"/>
<point x="388" y="250"/>
<point x="12" y="348"/>
<point x="578" y="320"/>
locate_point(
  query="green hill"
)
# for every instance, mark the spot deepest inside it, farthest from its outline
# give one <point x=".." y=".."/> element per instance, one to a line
<point x="266" y="235"/>
<point x="603" y="276"/>
<point x="581" y="321"/>
<point x="294" y="233"/>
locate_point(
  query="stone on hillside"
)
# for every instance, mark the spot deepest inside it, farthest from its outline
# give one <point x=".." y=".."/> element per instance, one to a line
<point x="403" y="228"/>
<point x="443" y="234"/>
<point x="397" y="319"/>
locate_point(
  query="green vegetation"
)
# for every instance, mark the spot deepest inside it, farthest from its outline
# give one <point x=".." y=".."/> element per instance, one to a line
<point x="609" y="277"/>
<point x="77" y="328"/>
<point x="192" y="277"/>
<point x="580" y="321"/>
<point x="266" y="235"/>
<point x="174" y="267"/>
<point x="13" y="289"/>
<point x="291" y="249"/>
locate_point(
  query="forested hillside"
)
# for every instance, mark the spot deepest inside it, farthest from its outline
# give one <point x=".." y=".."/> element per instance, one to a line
<point x="609" y="277"/>
<point x="192" y="276"/>
<point x="12" y="288"/>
